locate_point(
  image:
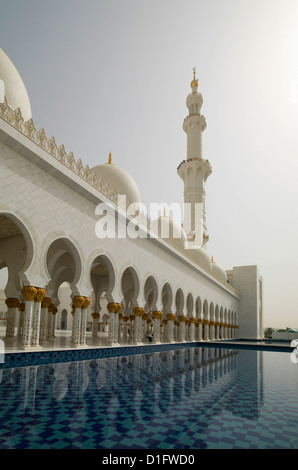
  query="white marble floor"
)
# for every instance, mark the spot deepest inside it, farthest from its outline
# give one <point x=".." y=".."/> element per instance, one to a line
<point x="62" y="341"/>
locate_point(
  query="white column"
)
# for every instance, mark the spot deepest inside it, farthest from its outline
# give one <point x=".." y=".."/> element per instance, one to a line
<point x="182" y="325"/>
<point x="145" y="327"/>
<point x="29" y="293"/>
<point x="83" y="324"/>
<point x="192" y="322"/>
<point x="21" y="309"/>
<point x="217" y="331"/>
<point x="200" y="332"/>
<point x="117" y="324"/>
<point x="113" y="308"/>
<point x="132" y="327"/>
<point x="44" y="329"/>
<point x="53" y="323"/>
<point x="95" y="317"/>
<point x="125" y="326"/>
<point x="12" y="305"/>
<point x="170" y="326"/>
<point x="78" y="302"/>
<point x="40" y="295"/>
<point x="211" y="330"/>
<point x="138" y="313"/>
<point x="120" y="325"/>
<point x="156" y="316"/>
<point x="206" y="330"/>
<point x="164" y="330"/>
<point x="187" y="330"/>
<point x="223" y="331"/>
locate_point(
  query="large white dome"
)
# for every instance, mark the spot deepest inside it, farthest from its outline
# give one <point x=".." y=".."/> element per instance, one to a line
<point x="14" y="88"/>
<point x="120" y="180"/>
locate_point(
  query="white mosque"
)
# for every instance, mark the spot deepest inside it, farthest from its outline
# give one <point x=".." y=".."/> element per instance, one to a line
<point x="81" y="254"/>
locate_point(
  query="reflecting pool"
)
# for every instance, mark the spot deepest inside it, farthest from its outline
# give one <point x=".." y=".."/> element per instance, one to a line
<point x="196" y="398"/>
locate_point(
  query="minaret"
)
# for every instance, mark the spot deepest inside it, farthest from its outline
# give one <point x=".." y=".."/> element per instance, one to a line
<point x="194" y="171"/>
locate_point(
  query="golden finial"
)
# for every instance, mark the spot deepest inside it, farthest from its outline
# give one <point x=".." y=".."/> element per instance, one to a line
<point x="195" y="82"/>
<point x="110" y="159"/>
<point x="164" y="212"/>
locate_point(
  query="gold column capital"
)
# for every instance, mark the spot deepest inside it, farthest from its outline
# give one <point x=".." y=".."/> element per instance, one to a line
<point x="78" y="301"/>
<point x="156" y="315"/>
<point x="182" y="318"/>
<point x="118" y="308"/>
<point x="21" y="307"/>
<point x="95" y="315"/>
<point x="12" y="302"/>
<point x="29" y="293"/>
<point x="46" y="302"/>
<point x="86" y="303"/>
<point x="171" y="316"/>
<point x="112" y="307"/>
<point x="138" y="311"/>
<point x="40" y="295"/>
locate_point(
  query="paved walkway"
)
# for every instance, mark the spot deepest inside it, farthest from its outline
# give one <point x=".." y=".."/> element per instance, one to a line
<point x="62" y="341"/>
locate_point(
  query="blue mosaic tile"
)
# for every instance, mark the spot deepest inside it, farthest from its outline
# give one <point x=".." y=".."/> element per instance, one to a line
<point x="183" y="398"/>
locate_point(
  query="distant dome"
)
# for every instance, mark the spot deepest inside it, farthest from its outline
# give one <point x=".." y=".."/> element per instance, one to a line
<point x="118" y="179"/>
<point x="169" y="229"/>
<point x="202" y="258"/>
<point x="14" y="88"/>
<point x="219" y="272"/>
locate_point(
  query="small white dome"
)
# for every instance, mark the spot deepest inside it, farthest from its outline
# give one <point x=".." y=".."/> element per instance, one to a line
<point x="14" y="88"/>
<point x="202" y="258"/>
<point x="120" y="180"/>
<point x="219" y="272"/>
<point x="168" y="229"/>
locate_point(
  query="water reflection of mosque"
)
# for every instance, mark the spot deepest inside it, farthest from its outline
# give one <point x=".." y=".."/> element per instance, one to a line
<point x="175" y="388"/>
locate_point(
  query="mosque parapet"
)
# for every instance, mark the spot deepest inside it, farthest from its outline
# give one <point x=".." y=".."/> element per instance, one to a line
<point x="14" y="118"/>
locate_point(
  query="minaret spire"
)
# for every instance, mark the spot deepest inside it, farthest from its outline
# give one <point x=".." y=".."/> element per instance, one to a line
<point x="194" y="171"/>
<point x="194" y="83"/>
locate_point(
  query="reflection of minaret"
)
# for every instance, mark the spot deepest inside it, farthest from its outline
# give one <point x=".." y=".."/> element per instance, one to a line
<point x="194" y="171"/>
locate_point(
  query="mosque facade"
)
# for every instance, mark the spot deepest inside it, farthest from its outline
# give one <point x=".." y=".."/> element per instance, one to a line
<point x="65" y="224"/>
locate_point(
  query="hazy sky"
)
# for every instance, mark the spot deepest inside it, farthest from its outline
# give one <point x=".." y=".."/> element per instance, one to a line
<point x="114" y="75"/>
